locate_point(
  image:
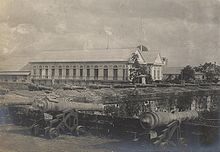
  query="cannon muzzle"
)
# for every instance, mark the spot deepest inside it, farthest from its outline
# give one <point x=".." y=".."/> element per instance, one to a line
<point x="47" y="105"/>
<point x="155" y="119"/>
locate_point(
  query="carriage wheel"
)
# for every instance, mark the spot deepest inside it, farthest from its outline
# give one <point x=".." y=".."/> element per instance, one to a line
<point x="53" y="133"/>
<point x="80" y="130"/>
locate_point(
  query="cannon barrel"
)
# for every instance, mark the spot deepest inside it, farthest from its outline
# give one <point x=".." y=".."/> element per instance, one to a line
<point x="13" y="100"/>
<point x="46" y="105"/>
<point x="155" y="119"/>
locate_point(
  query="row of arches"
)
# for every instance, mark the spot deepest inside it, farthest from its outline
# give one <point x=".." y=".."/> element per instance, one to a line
<point x="88" y="72"/>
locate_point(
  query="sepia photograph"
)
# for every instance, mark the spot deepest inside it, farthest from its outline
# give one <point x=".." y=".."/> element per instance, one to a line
<point x="109" y="75"/>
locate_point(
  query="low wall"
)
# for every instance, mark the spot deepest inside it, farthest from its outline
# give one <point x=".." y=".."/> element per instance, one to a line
<point x="14" y="85"/>
<point x="56" y="82"/>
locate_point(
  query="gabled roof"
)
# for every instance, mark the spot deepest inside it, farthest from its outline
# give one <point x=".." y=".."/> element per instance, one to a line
<point x="151" y="57"/>
<point x="172" y="70"/>
<point x="99" y="55"/>
<point x="26" y="67"/>
<point x="14" y="73"/>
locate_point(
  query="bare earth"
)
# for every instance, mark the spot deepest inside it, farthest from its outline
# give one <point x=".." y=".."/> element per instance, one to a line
<point x="18" y="139"/>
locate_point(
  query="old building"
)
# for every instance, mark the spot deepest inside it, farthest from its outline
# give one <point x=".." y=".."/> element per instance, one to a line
<point x="171" y="73"/>
<point x="15" y="76"/>
<point x="200" y="76"/>
<point x="111" y="65"/>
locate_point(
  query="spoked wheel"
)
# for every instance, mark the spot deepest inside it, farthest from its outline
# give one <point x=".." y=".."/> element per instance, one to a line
<point x="35" y="130"/>
<point x="80" y="130"/>
<point x="53" y="133"/>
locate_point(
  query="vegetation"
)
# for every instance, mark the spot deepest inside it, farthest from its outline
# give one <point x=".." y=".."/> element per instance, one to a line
<point x="211" y="71"/>
<point x="138" y="70"/>
<point x="188" y="74"/>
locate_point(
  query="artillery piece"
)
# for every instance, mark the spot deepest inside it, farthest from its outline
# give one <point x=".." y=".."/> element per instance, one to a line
<point x="166" y="124"/>
<point x="156" y="119"/>
<point x="49" y="116"/>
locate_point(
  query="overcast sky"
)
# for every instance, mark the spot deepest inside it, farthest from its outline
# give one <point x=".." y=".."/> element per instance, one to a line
<point x="185" y="31"/>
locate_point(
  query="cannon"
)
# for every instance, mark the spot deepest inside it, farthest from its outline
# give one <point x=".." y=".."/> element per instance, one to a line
<point x="37" y="87"/>
<point x="49" y="115"/>
<point x="164" y="126"/>
<point x="60" y="116"/>
<point x="48" y="104"/>
<point x="156" y="119"/>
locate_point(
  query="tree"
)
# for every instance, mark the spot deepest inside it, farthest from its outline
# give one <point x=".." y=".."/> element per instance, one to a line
<point x="211" y="71"/>
<point x="138" y="69"/>
<point x="188" y="73"/>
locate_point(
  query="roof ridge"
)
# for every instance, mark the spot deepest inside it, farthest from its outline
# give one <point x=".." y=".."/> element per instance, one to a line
<point x="95" y="49"/>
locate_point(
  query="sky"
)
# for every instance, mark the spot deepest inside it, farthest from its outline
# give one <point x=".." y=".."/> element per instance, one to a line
<point x="185" y="31"/>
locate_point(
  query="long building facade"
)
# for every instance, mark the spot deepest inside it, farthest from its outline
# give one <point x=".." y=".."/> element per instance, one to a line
<point x="108" y="66"/>
<point x="88" y="71"/>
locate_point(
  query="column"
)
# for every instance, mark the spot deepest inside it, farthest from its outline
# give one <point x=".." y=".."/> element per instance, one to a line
<point x="63" y="72"/>
<point x="101" y="75"/>
<point x="91" y="72"/>
<point x="110" y="72"/>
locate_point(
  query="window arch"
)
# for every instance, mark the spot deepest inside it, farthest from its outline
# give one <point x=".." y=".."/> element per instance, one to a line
<point x="96" y="72"/>
<point x="125" y="73"/>
<point x="87" y="72"/>
<point x="67" y="71"/>
<point x="53" y="71"/>
<point x="74" y="71"/>
<point x="105" y="72"/>
<point x="115" y="72"/>
<point x="81" y="72"/>
<point x="60" y="71"/>
<point x="46" y="71"/>
<point x="40" y="71"/>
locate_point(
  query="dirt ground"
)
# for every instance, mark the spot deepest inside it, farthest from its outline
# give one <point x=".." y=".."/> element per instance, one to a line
<point x="18" y="139"/>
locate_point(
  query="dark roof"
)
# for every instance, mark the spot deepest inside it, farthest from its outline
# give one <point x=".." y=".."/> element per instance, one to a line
<point x="172" y="70"/>
<point x="98" y="55"/>
<point x="149" y="56"/>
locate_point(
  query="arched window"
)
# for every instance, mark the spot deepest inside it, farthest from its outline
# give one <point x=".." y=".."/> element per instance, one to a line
<point x="87" y="72"/>
<point x="46" y="72"/>
<point x="60" y="72"/>
<point x="155" y="73"/>
<point x="125" y="73"/>
<point x="40" y="71"/>
<point x="67" y="71"/>
<point x="105" y="72"/>
<point x="34" y="72"/>
<point x="158" y="73"/>
<point x="74" y="71"/>
<point x="96" y="72"/>
<point x="81" y="72"/>
<point x="115" y="72"/>
<point x="53" y="71"/>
